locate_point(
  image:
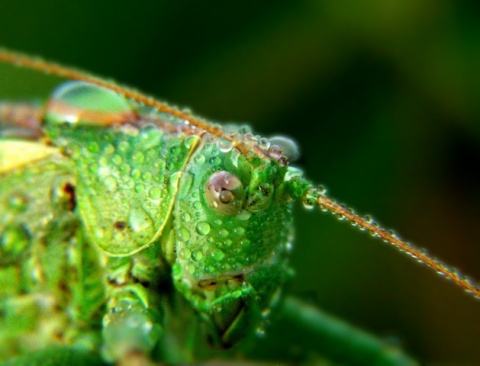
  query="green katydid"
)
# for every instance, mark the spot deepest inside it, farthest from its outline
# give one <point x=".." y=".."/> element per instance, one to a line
<point x="141" y="213"/>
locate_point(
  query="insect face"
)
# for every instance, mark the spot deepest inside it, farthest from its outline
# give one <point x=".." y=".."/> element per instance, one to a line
<point x="232" y="229"/>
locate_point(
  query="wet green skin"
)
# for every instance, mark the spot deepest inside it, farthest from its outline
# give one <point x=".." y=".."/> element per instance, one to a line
<point x="112" y="247"/>
<point x="96" y="237"/>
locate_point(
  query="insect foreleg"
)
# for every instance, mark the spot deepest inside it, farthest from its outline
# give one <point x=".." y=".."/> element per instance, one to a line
<point x="132" y="324"/>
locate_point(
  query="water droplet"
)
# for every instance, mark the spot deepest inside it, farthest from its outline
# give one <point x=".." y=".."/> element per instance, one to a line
<point x="150" y="137"/>
<point x="240" y="231"/>
<point x="185" y="253"/>
<point x="197" y="205"/>
<point x="260" y="332"/>
<point x="249" y="137"/>
<point x="197" y="255"/>
<point x="286" y="146"/>
<point x="200" y="158"/>
<point x="234" y="156"/>
<point x="185" y="184"/>
<point x="138" y="157"/>
<point x="190" y="141"/>
<point x="244" y="215"/>
<point x="93" y="147"/>
<point x="155" y="193"/>
<point x="147" y="176"/>
<point x="14" y="240"/>
<point x="368" y="219"/>
<point x="203" y="228"/>
<point x="224" y="145"/>
<point x="109" y="149"/>
<point x="124" y="146"/>
<point x="103" y="160"/>
<point x="218" y="255"/>
<point x="117" y="159"/>
<point x="125" y="169"/>
<point x="190" y="268"/>
<point x="215" y="160"/>
<point x="309" y="203"/>
<point x="128" y="183"/>
<point x="140" y="222"/>
<point x="184" y="234"/>
<point x="111" y="183"/>
<point x="136" y="174"/>
<point x="81" y="99"/>
<point x="174" y="181"/>
<point x="93" y="168"/>
<point x="139" y="188"/>
<point x="186" y="217"/>
<point x="245" y="242"/>
<point x="223" y="233"/>
<point x="175" y="150"/>
<point x="264" y="143"/>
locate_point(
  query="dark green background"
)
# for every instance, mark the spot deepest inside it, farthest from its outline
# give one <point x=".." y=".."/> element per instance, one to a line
<point x="381" y="96"/>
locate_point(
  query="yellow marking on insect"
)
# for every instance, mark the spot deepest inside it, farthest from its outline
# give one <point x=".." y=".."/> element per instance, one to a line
<point x="30" y="152"/>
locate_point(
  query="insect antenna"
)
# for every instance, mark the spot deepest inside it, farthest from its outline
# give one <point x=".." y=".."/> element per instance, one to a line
<point x="316" y="197"/>
<point x="36" y="63"/>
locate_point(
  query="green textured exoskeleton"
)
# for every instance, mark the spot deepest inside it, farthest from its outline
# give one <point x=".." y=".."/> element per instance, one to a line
<point x="100" y="216"/>
<point x="131" y="231"/>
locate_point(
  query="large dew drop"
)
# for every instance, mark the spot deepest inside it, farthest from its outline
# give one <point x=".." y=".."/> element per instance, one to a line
<point x="81" y="102"/>
<point x="203" y="228"/>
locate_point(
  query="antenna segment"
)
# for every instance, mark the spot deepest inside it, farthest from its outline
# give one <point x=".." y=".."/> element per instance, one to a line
<point x="48" y="67"/>
<point x="316" y="197"/>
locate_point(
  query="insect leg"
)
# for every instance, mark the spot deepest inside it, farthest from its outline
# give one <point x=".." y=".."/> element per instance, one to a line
<point x="132" y="325"/>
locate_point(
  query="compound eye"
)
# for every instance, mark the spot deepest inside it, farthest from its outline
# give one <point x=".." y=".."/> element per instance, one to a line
<point x="78" y="102"/>
<point x="224" y="193"/>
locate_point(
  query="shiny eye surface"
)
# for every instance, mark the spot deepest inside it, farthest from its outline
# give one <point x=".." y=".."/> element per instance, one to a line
<point x="81" y="102"/>
<point x="224" y="193"/>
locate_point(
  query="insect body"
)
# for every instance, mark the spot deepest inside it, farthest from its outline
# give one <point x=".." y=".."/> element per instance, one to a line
<point x="120" y="215"/>
<point x="145" y="197"/>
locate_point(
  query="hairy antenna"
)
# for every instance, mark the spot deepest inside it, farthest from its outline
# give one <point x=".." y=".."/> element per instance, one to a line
<point x="316" y="197"/>
<point x="48" y="67"/>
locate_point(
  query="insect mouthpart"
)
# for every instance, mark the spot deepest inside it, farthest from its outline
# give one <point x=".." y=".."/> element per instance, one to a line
<point x="211" y="284"/>
<point x="232" y="311"/>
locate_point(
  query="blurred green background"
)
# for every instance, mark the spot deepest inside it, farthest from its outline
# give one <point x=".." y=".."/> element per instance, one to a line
<point x="381" y="97"/>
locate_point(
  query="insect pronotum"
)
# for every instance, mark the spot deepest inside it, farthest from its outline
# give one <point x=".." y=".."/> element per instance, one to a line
<point x="119" y="212"/>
